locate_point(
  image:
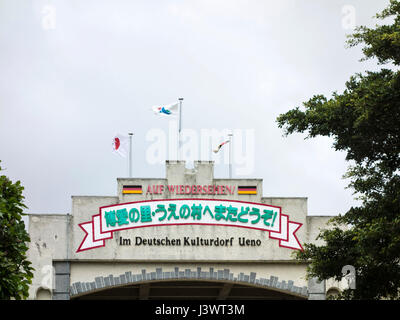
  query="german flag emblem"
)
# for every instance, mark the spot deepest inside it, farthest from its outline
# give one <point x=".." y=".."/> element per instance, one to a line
<point x="247" y="190"/>
<point x="132" y="189"/>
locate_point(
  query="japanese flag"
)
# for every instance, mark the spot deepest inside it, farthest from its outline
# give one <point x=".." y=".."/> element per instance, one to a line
<point x="120" y="145"/>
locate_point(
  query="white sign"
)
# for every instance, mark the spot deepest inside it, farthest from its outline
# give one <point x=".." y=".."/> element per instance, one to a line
<point x="151" y="213"/>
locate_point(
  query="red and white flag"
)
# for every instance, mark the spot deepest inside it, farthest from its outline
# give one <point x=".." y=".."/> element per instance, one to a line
<point x="220" y="146"/>
<point x="120" y="145"/>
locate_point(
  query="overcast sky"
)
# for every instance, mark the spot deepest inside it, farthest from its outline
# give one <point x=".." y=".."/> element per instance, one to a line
<point x="73" y="73"/>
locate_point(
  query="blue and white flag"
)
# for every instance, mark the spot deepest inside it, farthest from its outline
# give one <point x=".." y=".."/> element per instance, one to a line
<point x="166" y="110"/>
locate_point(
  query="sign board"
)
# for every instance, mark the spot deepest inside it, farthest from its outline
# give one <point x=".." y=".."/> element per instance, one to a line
<point x="167" y="212"/>
<point x="189" y="189"/>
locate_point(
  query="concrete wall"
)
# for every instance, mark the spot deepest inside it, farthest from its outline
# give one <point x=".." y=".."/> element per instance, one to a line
<point x="49" y="241"/>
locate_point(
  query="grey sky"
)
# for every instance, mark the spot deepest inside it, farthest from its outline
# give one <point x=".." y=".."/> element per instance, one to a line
<point x="65" y="91"/>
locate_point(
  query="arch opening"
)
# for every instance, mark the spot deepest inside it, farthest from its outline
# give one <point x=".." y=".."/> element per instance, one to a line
<point x="188" y="290"/>
<point x="43" y="294"/>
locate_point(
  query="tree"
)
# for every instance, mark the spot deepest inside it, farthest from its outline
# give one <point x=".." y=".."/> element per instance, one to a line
<point x="15" y="269"/>
<point x="364" y="121"/>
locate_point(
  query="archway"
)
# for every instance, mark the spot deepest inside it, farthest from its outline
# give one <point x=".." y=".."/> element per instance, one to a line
<point x="188" y="290"/>
<point x="43" y="294"/>
<point x="188" y="284"/>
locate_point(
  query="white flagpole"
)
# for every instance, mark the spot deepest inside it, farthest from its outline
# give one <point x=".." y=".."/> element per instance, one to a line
<point x="210" y="149"/>
<point x="230" y="155"/>
<point x="179" y="129"/>
<point x="130" y="154"/>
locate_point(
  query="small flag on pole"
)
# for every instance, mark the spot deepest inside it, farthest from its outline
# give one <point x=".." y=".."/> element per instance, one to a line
<point x="120" y="145"/>
<point x="220" y="146"/>
<point x="247" y="190"/>
<point x="132" y="189"/>
<point x="166" y="110"/>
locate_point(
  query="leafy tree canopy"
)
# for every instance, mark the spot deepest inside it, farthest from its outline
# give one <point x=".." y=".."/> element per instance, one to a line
<point x="364" y="121"/>
<point x="15" y="269"/>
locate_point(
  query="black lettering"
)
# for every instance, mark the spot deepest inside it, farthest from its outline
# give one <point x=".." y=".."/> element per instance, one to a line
<point x="138" y="241"/>
<point x="186" y="241"/>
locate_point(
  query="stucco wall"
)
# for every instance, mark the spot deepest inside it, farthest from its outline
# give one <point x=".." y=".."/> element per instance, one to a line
<point x="49" y="242"/>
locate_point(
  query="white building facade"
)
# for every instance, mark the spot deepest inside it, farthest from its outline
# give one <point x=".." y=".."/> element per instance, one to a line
<point x="187" y="236"/>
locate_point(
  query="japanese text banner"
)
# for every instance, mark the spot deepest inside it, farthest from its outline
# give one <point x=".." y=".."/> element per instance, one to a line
<point x="189" y="211"/>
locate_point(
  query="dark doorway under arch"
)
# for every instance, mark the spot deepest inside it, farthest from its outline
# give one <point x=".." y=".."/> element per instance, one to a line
<point x="188" y="290"/>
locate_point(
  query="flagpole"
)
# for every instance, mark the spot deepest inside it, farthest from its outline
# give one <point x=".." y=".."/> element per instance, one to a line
<point x="179" y="129"/>
<point x="230" y="155"/>
<point x="210" y="149"/>
<point x="130" y="154"/>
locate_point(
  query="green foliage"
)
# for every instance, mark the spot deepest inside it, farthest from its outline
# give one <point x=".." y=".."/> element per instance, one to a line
<point x="364" y="122"/>
<point x="15" y="270"/>
<point x="371" y="244"/>
<point x="382" y="42"/>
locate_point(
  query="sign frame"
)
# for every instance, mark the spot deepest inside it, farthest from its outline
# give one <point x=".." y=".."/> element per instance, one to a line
<point x="95" y="235"/>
